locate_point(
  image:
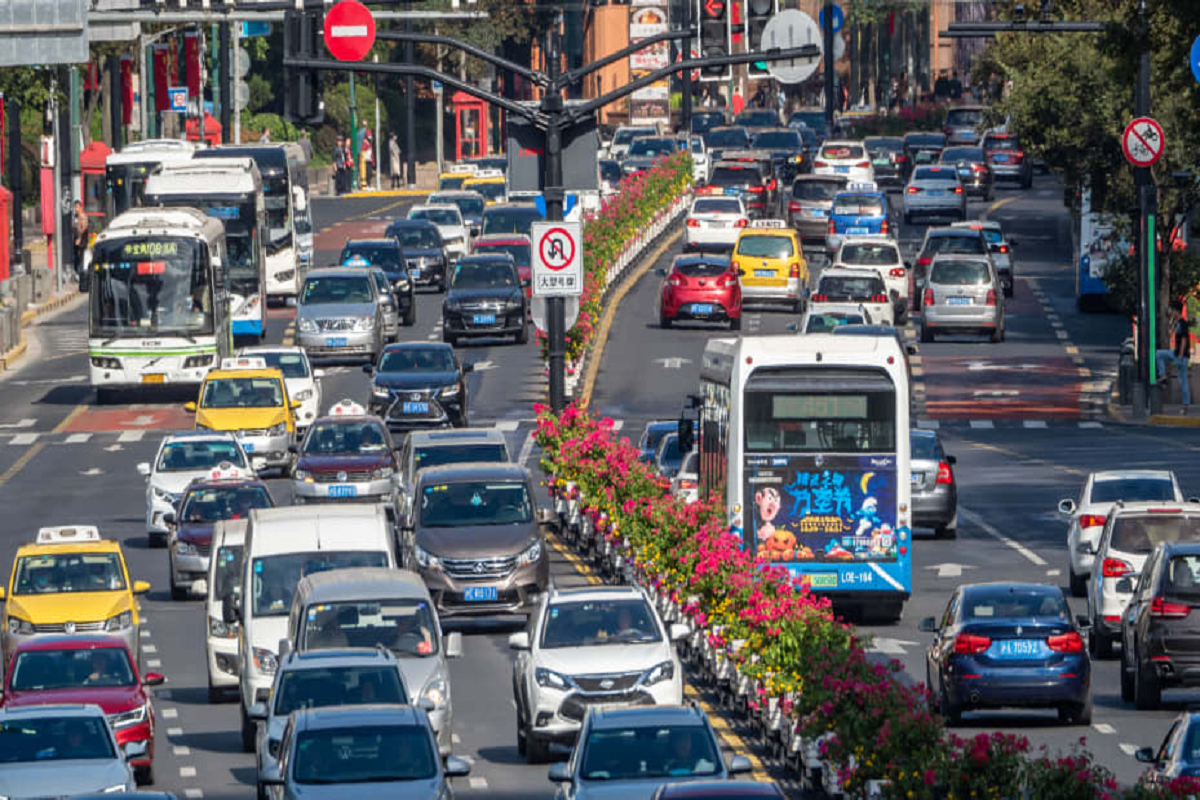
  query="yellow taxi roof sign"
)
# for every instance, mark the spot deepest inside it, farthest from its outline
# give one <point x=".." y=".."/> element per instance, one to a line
<point x="244" y="362"/>
<point x="68" y="534"/>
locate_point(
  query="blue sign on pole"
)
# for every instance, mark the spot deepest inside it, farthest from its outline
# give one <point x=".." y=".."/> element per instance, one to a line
<point x="1195" y="58"/>
<point x="569" y="201"/>
<point x="254" y="29"/>
<point x="839" y="18"/>
<point x="179" y="98"/>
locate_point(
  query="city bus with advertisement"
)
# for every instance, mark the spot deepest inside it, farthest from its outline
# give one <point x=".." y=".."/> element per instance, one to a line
<point x="1100" y="244"/>
<point x="284" y="172"/>
<point x="157" y="312"/>
<point x="229" y="190"/>
<point x="126" y="171"/>
<point x="807" y="439"/>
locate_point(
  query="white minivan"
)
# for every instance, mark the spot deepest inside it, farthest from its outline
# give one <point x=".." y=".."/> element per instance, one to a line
<point x="224" y="580"/>
<point x="282" y="546"/>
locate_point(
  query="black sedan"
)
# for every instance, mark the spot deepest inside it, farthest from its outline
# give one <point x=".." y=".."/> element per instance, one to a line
<point x="1004" y="645"/>
<point x="973" y="170"/>
<point x="786" y="149"/>
<point x="485" y="299"/>
<point x="388" y="256"/>
<point x="888" y="159"/>
<point x="424" y="253"/>
<point x="419" y="385"/>
<point x="922" y="149"/>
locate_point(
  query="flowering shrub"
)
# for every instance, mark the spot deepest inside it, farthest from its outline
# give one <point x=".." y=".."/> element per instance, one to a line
<point x="921" y="117"/>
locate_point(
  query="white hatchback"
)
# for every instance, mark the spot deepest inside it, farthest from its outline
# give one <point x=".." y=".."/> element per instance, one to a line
<point x="845" y="158"/>
<point x="884" y="257"/>
<point x="301" y="380"/>
<point x="714" y="222"/>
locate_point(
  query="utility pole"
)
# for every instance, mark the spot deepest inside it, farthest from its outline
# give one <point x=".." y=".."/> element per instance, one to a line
<point x="685" y="78"/>
<point x="380" y="140"/>
<point x="353" y="136"/>
<point x="827" y="37"/>
<point x="225" y="65"/>
<point x="234" y="45"/>
<point x="556" y="320"/>
<point x="410" y="109"/>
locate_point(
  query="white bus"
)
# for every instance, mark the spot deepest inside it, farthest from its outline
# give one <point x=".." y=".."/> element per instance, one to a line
<point x="284" y="172"/>
<point x="126" y="170"/>
<point x="807" y="437"/>
<point x="157" y="307"/>
<point x="229" y="190"/>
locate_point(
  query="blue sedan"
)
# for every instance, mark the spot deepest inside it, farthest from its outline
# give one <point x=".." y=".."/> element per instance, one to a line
<point x="1004" y="645"/>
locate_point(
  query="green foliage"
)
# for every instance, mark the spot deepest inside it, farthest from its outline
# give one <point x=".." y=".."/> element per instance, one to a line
<point x="281" y="130"/>
<point x="337" y="106"/>
<point x="261" y="93"/>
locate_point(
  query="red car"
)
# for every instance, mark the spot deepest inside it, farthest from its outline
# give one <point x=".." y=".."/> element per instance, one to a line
<point x="517" y="246"/>
<point x="95" y="670"/>
<point x="701" y="287"/>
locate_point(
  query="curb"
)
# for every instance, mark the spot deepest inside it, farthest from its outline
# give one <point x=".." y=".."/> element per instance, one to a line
<point x="7" y="360"/>
<point x="14" y="355"/>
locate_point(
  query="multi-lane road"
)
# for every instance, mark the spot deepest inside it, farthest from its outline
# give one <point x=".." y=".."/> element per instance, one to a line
<point x="1016" y="414"/>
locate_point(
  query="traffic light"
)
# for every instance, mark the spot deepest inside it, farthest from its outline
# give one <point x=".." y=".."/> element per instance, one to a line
<point x="301" y="39"/>
<point x="715" y="36"/>
<point x="757" y="14"/>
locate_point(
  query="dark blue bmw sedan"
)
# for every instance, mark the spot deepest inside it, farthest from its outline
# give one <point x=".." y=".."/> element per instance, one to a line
<point x="1003" y="645"/>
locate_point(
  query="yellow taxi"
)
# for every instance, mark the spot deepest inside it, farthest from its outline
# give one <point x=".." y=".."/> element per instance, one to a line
<point x="454" y="176"/>
<point x="69" y="581"/>
<point x="250" y="399"/>
<point x="772" y="262"/>
<point x="489" y="183"/>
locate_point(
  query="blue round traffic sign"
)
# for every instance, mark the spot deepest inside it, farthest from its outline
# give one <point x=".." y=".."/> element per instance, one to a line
<point x="839" y="19"/>
<point x="1195" y="58"/>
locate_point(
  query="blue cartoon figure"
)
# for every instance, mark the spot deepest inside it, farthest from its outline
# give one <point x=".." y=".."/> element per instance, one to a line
<point x="868" y="517"/>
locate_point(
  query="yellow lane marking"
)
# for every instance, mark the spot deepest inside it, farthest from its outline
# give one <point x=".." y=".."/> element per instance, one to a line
<point x="374" y="211"/>
<point x="582" y="567"/>
<point x="999" y="204"/>
<point x="725" y="732"/>
<point x="29" y="454"/>
<point x="289" y="335"/>
<point x="1072" y="350"/>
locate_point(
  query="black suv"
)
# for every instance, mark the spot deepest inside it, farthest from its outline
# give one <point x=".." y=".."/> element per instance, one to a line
<point x="388" y="256"/>
<point x="786" y="148"/>
<point x="424" y="255"/>
<point x="922" y="149"/>
<point x="718" y="140"/>
<point x="1160" y="643"/>
<point x="750" y="177"/>
<point x="888" y="159"/>
<point x="485" y="299"/>
<point x="419" y="385"/>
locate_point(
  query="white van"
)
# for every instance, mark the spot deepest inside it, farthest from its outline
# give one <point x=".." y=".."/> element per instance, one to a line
<point x="282" y="546"/>
<point x="224" y="580"/>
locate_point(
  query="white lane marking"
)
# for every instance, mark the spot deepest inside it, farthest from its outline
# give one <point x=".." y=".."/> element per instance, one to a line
<point x="514" y="703"/>
<point x="1029" y="555"/>
<point x="24" y="423"/>
<point x="131" y="436"/>
<point x="145" y="634"/>
<point x="153" y="663"/>
<point x="892" y="647"/>
<point x="193" y="793"/>
<point x="982" y="424"/>
<point x="618" y="424"/>
<point x="77" y="438"/>
<point x="1128" y="749"/>
<point x="950" y="569"/>
<point x="22" y="439"/>
<point x="91" y="472"/>
<point x="181" y="750"/>
<point x="1034" y="423"/>
<point x="928" y="424"/>
<point x="1053" y="573"/>
<point x="1091" y="425"/>
<point x="507" y="425"/>
<point x="1104" y="727"/>
<point x="187" y="772"/>
<point x="174" y="731"/>
<point x="114" y="448"/>
<point x="1061" y="334"/>
<point x="170" y="713"/>
<point x="526" y="449"/>
<point x="454" y="739"/>
<point x="479" y="783"/>
<point x="142" y="419"/>
<point x="149" y="648"/>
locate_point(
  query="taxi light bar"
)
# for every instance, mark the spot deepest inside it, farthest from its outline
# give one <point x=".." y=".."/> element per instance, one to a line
<point x="1161" y="607"/>
<point x="68" y="534"/>
<point x="244" y="362"/>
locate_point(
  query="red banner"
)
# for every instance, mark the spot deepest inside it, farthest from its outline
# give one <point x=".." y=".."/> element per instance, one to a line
<point x="191" y="60"/>
<point x="126" y="90"/>
<point x="162" y="78"/>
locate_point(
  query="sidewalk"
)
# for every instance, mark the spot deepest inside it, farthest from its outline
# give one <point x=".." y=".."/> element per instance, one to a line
<point x="36" y="245"/>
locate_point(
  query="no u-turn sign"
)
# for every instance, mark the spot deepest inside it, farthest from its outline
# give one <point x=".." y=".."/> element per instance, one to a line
<point x="557" y="259"/>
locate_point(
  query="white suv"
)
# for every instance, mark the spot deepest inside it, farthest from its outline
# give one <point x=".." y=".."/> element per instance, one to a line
<point x="1086" y="517"/>
<point x="450" y="224"/>
<point x="595" y="646"/>
<point x="1130" y="534"/>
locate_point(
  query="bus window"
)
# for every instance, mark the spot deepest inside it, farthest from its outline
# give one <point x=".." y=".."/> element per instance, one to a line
<point x="794" y="422"/>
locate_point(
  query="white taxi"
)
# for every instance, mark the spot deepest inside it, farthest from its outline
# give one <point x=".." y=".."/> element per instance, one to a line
<point x="714" y="223"/>
<point x="181" y="458"/>
<point x="860" y="287"/>
<point x="302" y="381"/>
<point x="450" y="225"/>
<point x="883" y="256"/>
<point x="846" y="158"/>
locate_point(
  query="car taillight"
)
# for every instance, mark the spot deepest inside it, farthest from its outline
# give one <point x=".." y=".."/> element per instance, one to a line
<point x="863" y="164"/>
<point x="741" y="223"/>
<point x="755" y="189"/>
<point x="794" y="270"/>
<point x="832" y="227"/>
<point x="1091" y="520"/>
<point x="978" y="168"/>
<point x="879" y="298"/>
<point x="913" y="190"/>
<point x="958" y="190"/>
<point x="1003" y="248"/>
<point x="901" y="159"/>
<point x="944" y="473"/>
<point x="1018" y="155"/>
<point x="820" y="164"/>
<point x="896" y="272"/>
<point x="693" y="223"/>
<point x="883" y="227"/>
<point x="674" y="281"/>
<point x="1066" y="643"/>
<point x="969" y="644"/>
<point x="1160" y="607"/>
<point x="687" y="484"/>
<point x="991" y="298"/>
<point x="1115" y="568"/>
<point x="928" y="300"/>
<point x="771" y="184"/>
<point x="793" y="206"/>
<point x="820" y="298"/>
<point x="924" y="261"/>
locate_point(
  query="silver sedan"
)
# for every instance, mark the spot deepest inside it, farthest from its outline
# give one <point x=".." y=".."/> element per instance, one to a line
<point x="934" y="192"/>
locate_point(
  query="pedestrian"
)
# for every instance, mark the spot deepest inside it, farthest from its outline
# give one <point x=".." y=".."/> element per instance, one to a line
<point x="266" y="136"/>
<point x="80" y="240"/>
<point x="348" y="154"/>
<point x="956" y="87"/>
<point x="339" y="166"/>
<point x="394" y="160"/>
<point x="1180" y="353"/>
<point x="366" y="155"/>
<point x="306" y="145"/>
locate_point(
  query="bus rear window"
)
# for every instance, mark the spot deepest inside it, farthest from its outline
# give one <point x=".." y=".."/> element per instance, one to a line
<point x="828" y="422"/>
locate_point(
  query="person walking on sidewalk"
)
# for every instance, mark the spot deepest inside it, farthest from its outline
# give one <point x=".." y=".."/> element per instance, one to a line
<point x="1180" y="353"/>
<point x="394" y="160"/>
<point x="339" y="166"/>
<point x="80" y="240"/>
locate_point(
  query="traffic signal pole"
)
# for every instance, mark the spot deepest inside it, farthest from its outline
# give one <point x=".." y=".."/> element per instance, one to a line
<point x="827" y="37"/>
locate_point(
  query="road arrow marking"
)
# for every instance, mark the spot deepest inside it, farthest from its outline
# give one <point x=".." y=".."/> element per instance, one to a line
<point x="1104" y="727"/>
<point x="114" y="448"/>
<point x="141" y="421"/>
<point x="950" y="570"/>
<point x="1128" y="749"/>
<point x="483" y="366"/>
<point x="91" y="471"/>
<point x="672" y="363"/>
<point x="892" y="647"/>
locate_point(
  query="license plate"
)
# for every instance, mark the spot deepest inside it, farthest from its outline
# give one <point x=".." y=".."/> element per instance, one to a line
<point x="415" y="407"/>
<point x="248" y="447"/>
<point x="816" y="212"/>
<point x="335" y="341"/>
<point x="1019" y="648"/>
<point x="880" y="162"/>
<point x="733" y="191"/>
<point x="702" y="308"/>
<point x="841" y="169"/>
<point x="999" y="158"/>
<point x="483" y="319"/>
<point x="414" y="273"/>
<point x="480" y="594"/>
<point x="764" y="273"/>
<point x="156" y="377"/>
<point x="958" y="301"/>
<point x="935" y="192"/>
<point x="857" y="229"/>
<point x="343" y="491"/>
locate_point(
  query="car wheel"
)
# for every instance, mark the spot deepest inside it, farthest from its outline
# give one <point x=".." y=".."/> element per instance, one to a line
<point x="537" y="751"/>
<point x="144" y="776"/>
<point x="947" y="531"/>
<point x="664" y="321"/>
<point x="1100" y="643"/>
<point x="951" y="712"/>
<point x="157" y="540"/>
<point x="1076" y="713"/>
<point x="1078" y="583"/>
<point x="177" y="592"/>
<point x="1127" y="690"/>
<point x="998" y="335"/>
<point x="926" y="335"/>
<point x="249" y="733"/>
<point x="735" y="324"/>
<point x="449" y="338"/>
<point x="1147" y="693"/>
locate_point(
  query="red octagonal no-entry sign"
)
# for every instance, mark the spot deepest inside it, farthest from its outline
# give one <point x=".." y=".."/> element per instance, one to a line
<point x="349" y="31"/>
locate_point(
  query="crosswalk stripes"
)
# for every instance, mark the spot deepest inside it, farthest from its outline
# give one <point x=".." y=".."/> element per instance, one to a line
<point x="131" y="436"/>
<point x="24" y="439"/>
<point x="78" y="438"/>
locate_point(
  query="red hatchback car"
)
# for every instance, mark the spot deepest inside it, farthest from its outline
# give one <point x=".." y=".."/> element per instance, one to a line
<point x="517" y="246"/>
<point x="705" y="288"/>
<point x="95" y="670"/>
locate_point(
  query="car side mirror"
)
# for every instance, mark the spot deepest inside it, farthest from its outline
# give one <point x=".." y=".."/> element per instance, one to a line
<point x="295" y="404"/>
<point x="294" y="449"/>
<point x="144" y="469"/>
<point x="318" y="373"/>
<point x="153" y="679"/>
<point x="258" y="712"/>
<point x="269" y="776"/>
<point x="678" y="632"/>
<point x="284" y="647"/>
<point x="141" y="587"/>
<point x="741" y="272"/>
<point x="928" y="625"/>
<point x="951" y="460"/>
<point x="908" y="265"/>
<point x="190" y="406"/>
<point x="740" y="765"/>
<point x="1125" y="586"/>
<point x="1083" y="622"/>
<point x="468" y="368"/>
<point x="134" y="750"/>
<point x="1145" y="755"/>
<point x="518" y="641"/>
<point x="911" y="349"/>
<point x="457" y="767"/>
<point x="169" y="519"/>
<point x="1066" y="506"/>
<point x="454" y="645"/>
<point x="369" y="369"/>
<point x="230" y="613"/>
<point x="560" y="773"/>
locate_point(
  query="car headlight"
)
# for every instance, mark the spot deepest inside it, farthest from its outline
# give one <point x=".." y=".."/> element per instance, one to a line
<point x="659" y="673"/>
<point x="302" y="475"/>
<point x="437" y="691"/>
<point x="427" y="560"/>
<point x="124" y="719"/>
<point x="165" y="496"/>
<point x="185" y="549"/>
<point x="273" y="747"/>
<point x="220" y="629"/>
<point x="265" y="661"/>
<point x="380" y="391"/>
<point x="303" y="395"/>
<point x="102" y="362"/>
<point x="400" y="284"/>
<point x="381" y="473"/>
<point x="550" y="679"/>
<point x="530" y="554"/>
<point x="18" y="626"/>
<point x="449" y="391"/>
<point x="513" y="304"/>
<point x="364" y="324"/>
<point x="120" y="622"/>
<point x="277" y="430"/>
<point x="306" y="325"/>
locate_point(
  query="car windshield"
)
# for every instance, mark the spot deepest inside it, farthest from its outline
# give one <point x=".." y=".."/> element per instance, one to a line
<point x="54" y="738"/>
<point x="470" y="503"/>
<point x="778" y="140"/>
<point x="841" y="152"/>
<point x="345" y="437"/>
<point x="1000" y="143"/>
<point x="80" y="667"/>
<point x="599" y="622"/>
<point x="716" y="205"/>
<point x="638" y="753"/>
<point x="417" y="238"/>
<point x="669" y="457"/>
<point x="438" y="216"/>
<point x="227" y="575"/>
<point x="364" y="754"/>
<point x="509" y="220"/>
<point x="962" y="154"/>
<point x="521" y="252"/>
<point x="728" y="137"/>
<point x="292" y="365"/>
<point x="847" y="288"/>
<point x="418" y="359"/>
<point x="1140" y="533"/>
<point x="52" y="573"/>
<point x="377" y="255"/>
<point x="332" y="290"/>
<point x="491" y="190"/>
<point x="884" y="146"/>
<point x="873" y="255"/>
<point x="467" y="206"/>
<point x="337" y="686"/>
<point x="627" y="135"/>
<point x="960" y="273"/>
<point x="925" y="140"/>
<point x="654" y="433"/>
<point x="482" y="275"/>
<point x="610" y="171"/>
<point x="734" y="177"/>
<point x="955" y="244"/>
<point x="653" y="147"/>
<point x="1002" y="602"/>
<point x="441" y="455"/>
<point x="765" y="246"/>
<point x="824" y="323"/>
<point x="404" y="626"/>
<point x="186" y="456"/>
<point x="450" y="182"/>
<point x="701" y="269"/>
<point x="858" y="205"/>
<point x="275" y="577"/>
<point x="242" y="393"/>
<point x="214" y="503"/>
<point x="817" y="191"/>
<point x="964" y="117"/>
<point x="925" y="447"/>
<point x="757" y="119"/>
<point x="1132" y="490"/>
<point x="928" y="174"/>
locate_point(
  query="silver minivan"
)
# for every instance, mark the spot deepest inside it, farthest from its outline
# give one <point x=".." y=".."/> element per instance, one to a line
<point x="379" y="607"/>
<point x="963" y="294"/>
